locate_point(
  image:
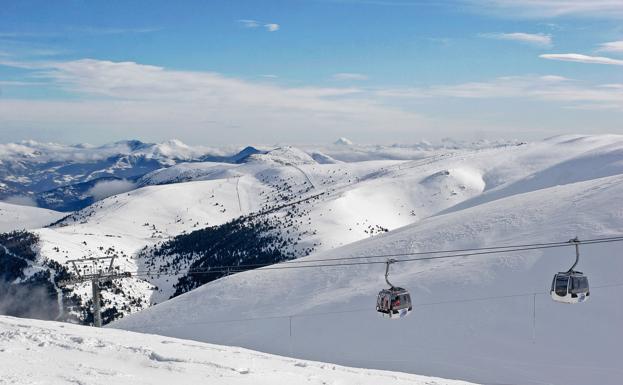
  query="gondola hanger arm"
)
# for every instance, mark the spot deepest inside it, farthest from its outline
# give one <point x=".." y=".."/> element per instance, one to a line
<point x="388" y="262"/>
<point x="576" y="242"/>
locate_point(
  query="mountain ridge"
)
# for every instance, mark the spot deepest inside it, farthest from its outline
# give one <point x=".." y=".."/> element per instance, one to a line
<point x="446" y="199"/>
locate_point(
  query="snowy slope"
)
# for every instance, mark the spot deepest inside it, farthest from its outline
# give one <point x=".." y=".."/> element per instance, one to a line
<point x="61" y="177"/>
<point x="457" y="330"/>
<point x="55" y="174"/>
<point x="54" y="353"/>
<point x="361" y="199"/>
<point x="122" y="225"/>
<point x="15" y="217"/>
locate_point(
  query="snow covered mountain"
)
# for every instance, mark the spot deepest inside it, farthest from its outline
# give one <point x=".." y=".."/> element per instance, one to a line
<point x="488" y="318"/>
<point x="290" y="202"/>
<point x="63" y="177"/>
<point x="309" y="207"/>
<point x="18" y="217"/>
<point x="66" y="178"/>
<point x="75" y="354"/>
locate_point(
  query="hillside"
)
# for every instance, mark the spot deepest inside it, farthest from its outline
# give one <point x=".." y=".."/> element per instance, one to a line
<point x="68" y="353"/>
<point x="71" y="177"/>
<point x="352" y="201"/>
<point x="492" y="314"/>
<point x="16" y="217"/>
<point x="189" y="216"/>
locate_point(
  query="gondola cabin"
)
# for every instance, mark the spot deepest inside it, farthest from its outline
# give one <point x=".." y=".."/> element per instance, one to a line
<point x="570" y="287"/>
<point x="394" y="303"/>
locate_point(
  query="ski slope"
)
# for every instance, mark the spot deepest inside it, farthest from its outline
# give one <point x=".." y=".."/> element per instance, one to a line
<point x="53" y="353"/>
<point x="16" y="217"/>
<point x="487" y="319"/>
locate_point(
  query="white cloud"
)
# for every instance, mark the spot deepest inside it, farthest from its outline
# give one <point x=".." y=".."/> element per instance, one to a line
<point x="19" y="34"/>
<point x="537" y="9"/>
<point x="117" y="100"/>
<point x="596" y="107"/>
<point x="349" y="76"/>
<point x="271" y="27"/>
<point x="109" y="188"/>
<point x="540" y="9"/>
<point x="579" y="58"/>
<point x="612" y="46"/>
<point x="250" y="23"/>
<point x="21" y="200"/>
<point x="91" y="30"/>
<point x="150" y="101"/>
<point x="18" y="83"/>
<point x="133" y="81"/>
<point x="549" y="88"/>
<point x="537" y="39"/>
<point x="553" y="78"/>
<point x="28" y="51"/>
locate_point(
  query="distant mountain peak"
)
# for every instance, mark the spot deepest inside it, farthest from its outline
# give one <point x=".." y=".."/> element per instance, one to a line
<point x="285" y="155"/>
<point x="133" y="144"/>
<point x="343" y="142"/>
<point x="245" y="153"/>
<point x="175" y="142"/>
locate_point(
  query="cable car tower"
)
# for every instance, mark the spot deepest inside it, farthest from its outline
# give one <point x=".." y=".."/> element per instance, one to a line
<point x="96" y="270"/>
<point x="571" y="286"/>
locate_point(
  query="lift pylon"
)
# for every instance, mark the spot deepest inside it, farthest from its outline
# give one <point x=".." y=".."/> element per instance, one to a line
<point x="95" y="270"/>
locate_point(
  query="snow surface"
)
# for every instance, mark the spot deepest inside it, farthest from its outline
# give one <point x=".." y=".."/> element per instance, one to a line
<point x="16" y="217"/>
<point x="452" y="197"/>
<point x="487" y="319"/>
<point x="362" y="199"/>
<point x="54" y="152"/>
<point x="38" y="352"/>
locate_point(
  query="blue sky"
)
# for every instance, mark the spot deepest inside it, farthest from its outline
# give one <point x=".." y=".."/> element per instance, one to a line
<point x="385" y="71"/>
